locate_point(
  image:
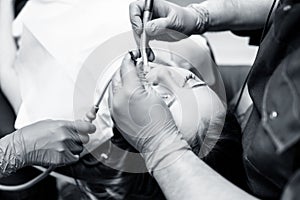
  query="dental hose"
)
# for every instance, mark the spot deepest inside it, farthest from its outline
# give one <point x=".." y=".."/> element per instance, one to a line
<point x="90" y="117"/>
<point x="147" y="15"/>
<point x="92" y="113"/>
<point x="28" y="184"/>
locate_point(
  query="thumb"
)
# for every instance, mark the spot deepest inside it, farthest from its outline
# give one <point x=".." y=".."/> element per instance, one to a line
<point x="157" y="26"/>
<point x="129" y="74"/>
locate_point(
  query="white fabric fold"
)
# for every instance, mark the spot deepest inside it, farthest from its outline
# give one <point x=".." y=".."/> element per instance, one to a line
<point x="56" y="37"/>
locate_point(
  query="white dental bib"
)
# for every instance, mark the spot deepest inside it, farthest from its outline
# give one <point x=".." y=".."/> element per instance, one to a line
<point x="56" y="36"/>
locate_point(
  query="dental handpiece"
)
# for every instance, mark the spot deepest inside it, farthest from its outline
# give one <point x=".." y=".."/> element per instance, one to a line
<point x="103" y="86"/>
<point x="91" y="115"/>
<point x="147" y="15"/>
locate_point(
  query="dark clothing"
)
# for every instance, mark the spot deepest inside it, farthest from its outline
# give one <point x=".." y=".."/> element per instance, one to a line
<point x="44" y="190"/>
<point x="108" y="183"/>
<point x="271" y="139"/>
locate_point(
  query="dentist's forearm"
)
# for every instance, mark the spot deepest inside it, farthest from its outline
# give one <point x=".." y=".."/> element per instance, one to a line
<point x="190" y="178"/>
<point x="8" y="77"/>
<point x="237" y="14"/>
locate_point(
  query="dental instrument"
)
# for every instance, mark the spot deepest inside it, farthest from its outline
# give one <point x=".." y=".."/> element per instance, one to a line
<point x="147" y="15"/>
<point x="102" y="87"/>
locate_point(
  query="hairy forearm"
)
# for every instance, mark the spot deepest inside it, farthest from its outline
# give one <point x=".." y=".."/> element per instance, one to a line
<point x="237" y="14"/>
<point x="190" y="178"/>
<point x="8" y="77"/>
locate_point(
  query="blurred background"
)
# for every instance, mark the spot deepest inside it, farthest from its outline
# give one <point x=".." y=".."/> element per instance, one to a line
<point x="228" y="48"/>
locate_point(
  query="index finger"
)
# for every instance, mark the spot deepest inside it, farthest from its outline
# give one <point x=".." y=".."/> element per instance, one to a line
<point x="129" y="74"/>
<point x="80" y="126"/>
<point x="136" y="13"/>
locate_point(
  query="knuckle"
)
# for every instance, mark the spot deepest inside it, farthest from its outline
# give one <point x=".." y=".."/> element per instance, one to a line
<point x="85" y="139"/>
<point x="64" y="137"/>
<point x="60" y="149"/>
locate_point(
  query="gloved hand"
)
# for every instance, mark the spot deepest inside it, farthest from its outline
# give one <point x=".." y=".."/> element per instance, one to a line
<point x="144" y="119"/>
<point x="189" y="20"/>
<point x="44" y="143"/>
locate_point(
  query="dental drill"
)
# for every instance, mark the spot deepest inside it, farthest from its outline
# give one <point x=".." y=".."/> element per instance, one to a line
<point x="92" y="113"/>
<point x="147" y="15"/>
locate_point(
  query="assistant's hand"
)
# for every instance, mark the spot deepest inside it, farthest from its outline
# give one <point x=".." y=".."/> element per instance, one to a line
<point x="54" y="142"/>
<point x="144" y="119"/>
<point x="186" y="20"/>
<point x="44" y="143"/>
